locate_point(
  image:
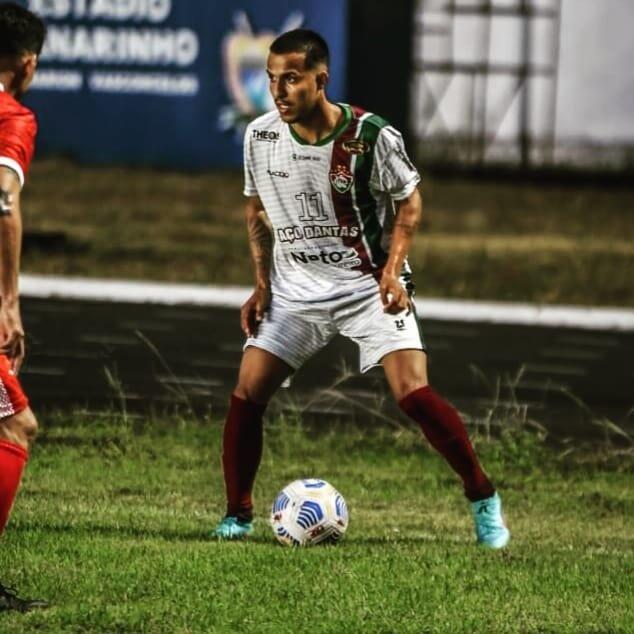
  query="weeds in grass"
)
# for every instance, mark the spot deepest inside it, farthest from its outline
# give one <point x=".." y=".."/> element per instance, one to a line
<point x="508" y="424"/>
<point x="507" y="414"/>
<point x="616" y="444"/>
<point x="505" y="410"/>
<point x="116" y="385"/>
<point x="174" y="386"/>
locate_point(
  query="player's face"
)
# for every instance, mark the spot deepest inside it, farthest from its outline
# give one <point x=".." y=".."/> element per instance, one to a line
<point x="295" y="89"/>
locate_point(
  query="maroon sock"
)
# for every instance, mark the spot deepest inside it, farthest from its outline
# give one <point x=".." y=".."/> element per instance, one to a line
<point x="241" y="454"/>
<point x="12" y="461"/>
<point x="446" y="433"/>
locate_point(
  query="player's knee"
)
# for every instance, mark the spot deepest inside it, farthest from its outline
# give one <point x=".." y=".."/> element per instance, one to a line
<point x="251" y="392"/>
<point x="405" y="386"/>
<point x="28" y="424"/>
<point x="20" y="429"/>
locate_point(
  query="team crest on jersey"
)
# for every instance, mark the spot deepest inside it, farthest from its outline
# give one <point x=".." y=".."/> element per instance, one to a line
<point x="356" y="146"/>
<point x="341" y="179"/>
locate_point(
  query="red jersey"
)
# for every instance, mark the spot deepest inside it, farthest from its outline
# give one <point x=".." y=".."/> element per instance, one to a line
<point x="18" y="128"/>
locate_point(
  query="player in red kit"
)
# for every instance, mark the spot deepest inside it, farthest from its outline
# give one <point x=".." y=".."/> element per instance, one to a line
<point x="21" y="39"/>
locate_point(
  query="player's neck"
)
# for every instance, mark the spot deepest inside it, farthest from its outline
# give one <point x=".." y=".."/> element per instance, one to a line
<point x="320" y="124"/>
<point x="6" y="80"/>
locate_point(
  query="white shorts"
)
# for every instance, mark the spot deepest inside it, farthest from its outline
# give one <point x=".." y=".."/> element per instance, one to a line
<point x="295" y="331"/>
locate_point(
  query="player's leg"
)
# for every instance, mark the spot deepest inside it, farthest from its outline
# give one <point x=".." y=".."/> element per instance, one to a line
<point x="285" y="340"/>
<point x="17" y="430"/>
<point x="16" y="434"/>
<point x="261" y="374"/>
<point x="406" y="373"/>
<point x="396" y="342"/>
<point x="18" y="427"/>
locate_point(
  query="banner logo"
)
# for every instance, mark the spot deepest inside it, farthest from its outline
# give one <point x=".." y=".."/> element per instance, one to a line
<point x="244" y="55"/>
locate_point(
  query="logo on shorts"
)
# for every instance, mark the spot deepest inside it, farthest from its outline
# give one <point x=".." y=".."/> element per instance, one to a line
<point x="400" y="324"/>
<point x="356" y="146"/>
<point x="341" y="179"/>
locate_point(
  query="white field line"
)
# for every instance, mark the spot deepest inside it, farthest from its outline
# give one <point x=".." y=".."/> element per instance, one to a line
<point x="44" y="286"/>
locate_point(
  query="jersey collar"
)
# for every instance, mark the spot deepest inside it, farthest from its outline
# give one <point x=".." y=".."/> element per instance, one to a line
<point x="347" y="116"/>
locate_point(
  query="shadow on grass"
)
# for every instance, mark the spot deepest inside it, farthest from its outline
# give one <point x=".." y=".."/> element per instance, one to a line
<point x="206" y="535"/>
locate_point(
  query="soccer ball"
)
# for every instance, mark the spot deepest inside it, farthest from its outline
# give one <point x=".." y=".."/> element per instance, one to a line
<point x="309" y="512"/>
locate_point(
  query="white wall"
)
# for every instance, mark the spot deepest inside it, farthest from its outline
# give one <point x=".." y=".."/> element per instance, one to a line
<point x="596" y="70"/>
<point x="595" y="91"/>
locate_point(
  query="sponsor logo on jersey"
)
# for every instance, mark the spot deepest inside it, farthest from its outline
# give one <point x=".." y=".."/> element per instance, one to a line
<point x="341" y="259"/>
<point x="278" y="174"/>
<point x="305" y="157"/>
<point x="266" y="135"/>
<point x="341" y="179"/>
<point x="311" y="232"/>
<point x="356" y="146"/>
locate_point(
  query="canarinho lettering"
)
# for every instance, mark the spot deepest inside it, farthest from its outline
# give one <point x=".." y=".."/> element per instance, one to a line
<point x="104" y="45"/>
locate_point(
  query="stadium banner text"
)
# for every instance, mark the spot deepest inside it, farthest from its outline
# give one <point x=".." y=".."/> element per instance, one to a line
<point x="161" y="82"/>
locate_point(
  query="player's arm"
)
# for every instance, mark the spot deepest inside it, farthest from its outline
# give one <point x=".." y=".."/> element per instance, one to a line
<point x="11" y="331"/>
<point x="409" y="212"/>
<point x="261" y="246"/>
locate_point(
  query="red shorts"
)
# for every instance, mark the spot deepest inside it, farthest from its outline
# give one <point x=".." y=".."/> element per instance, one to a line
<point x="12" y="398"/>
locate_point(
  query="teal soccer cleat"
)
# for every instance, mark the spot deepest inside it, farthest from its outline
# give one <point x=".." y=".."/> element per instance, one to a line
<point x="489" y="524"/>
<point x="233" y="528"/>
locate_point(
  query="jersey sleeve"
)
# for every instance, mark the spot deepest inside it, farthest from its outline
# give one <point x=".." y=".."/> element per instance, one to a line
<point x="393" y="171"/>
<point x="250" y="188"/>
<point x="17" y="142"/>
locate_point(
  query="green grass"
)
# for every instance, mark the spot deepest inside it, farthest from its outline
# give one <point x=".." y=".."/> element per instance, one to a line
<point x="113" y="527"/>
<point x="480" y="240"/>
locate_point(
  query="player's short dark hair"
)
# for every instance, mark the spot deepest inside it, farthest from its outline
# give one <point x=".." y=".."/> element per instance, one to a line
<point x="21" y="31"/>
<point x="304" y="41"/>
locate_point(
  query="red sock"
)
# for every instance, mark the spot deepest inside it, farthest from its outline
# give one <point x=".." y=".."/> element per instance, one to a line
<point x="241" y="454"/>
<point x="12" y="461"/>
<point x="446" y="433"/>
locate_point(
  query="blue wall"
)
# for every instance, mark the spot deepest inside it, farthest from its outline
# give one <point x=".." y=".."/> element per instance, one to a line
<point x="164" y="82"/>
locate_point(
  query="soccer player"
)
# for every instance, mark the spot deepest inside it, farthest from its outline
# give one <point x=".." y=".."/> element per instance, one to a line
<point x="21" y="39"/>
<point x="332" y="208"/>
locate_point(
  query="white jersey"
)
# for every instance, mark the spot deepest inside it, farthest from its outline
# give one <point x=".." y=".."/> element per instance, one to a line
<point x="330" y="204"/>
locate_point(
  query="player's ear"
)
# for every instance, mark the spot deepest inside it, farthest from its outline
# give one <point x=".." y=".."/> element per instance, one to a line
<point x="27" y="68"/>
<point x="29" y="64"/>
<point x="322" y="79"/>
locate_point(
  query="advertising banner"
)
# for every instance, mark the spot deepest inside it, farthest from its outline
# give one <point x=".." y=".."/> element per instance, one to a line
<point x="165" y="82"/>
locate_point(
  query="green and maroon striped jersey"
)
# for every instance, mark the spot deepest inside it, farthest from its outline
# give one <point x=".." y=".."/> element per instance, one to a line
<point x="330" y="203"/>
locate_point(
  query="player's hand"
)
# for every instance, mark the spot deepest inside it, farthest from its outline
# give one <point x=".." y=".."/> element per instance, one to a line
<point x="12" y="334"/>
<point x="394" y="297"/>
<point x="253" y="310"/>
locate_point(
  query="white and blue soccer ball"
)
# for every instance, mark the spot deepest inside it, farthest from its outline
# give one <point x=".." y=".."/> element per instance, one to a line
<point x="309" y="512"/>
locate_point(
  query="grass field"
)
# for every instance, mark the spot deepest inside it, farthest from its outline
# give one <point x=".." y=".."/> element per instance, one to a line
<point x="113" y="527"/>
<point x="481" y="240"/>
